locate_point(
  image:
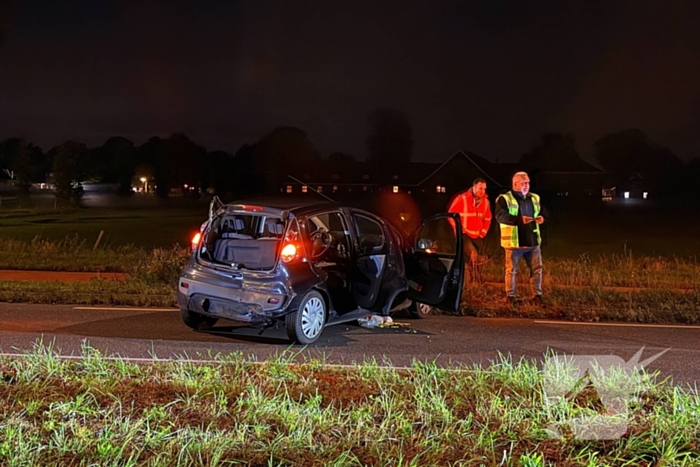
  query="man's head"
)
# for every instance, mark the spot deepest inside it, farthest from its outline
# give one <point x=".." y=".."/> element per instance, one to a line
<point x="479" y="187"/>
<point x="521" y="183"/>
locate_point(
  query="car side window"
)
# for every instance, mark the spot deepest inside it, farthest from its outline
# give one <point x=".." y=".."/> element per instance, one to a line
<point x="437" y="236"/>
<point x="371" y="234"/>
<point x="337" y="240"/>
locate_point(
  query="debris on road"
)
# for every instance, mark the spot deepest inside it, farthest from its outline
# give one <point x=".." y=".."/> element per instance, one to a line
<point x="376" y="321"/>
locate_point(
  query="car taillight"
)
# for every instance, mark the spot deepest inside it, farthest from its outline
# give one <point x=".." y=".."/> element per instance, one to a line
<point x="289" y="252"/>
<point x="195" y="240"/>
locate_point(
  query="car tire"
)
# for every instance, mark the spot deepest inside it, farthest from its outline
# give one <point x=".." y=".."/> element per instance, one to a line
<point x="306" y="323"/>
<point x="420" y="310"/>
<point x="195" y="320"/>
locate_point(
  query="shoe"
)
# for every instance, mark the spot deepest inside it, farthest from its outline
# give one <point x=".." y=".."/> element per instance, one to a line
<point x="538" y="300"/>
<point x="512" y="301"/>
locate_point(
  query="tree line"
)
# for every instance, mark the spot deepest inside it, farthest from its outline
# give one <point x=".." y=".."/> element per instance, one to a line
<point x="177" y="161"/>
<point x="629" y="157"/>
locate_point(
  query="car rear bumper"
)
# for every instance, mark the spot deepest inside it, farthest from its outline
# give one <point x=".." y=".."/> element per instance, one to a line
<point x="244" y="301"/>
<point x="250" y="313"/>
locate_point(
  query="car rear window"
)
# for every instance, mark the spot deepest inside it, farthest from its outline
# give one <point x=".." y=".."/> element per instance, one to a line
<point x="243" y="241"/>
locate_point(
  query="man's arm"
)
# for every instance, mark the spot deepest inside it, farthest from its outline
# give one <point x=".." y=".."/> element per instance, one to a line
<point x="502" y="214"/>
<point x="486" y="220"/>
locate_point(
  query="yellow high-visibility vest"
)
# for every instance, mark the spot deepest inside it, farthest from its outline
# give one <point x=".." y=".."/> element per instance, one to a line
<point x="509" y="233"/>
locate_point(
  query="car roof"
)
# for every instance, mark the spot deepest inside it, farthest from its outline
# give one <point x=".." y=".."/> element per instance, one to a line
<point x="295" y="205"/>
<point x="299" y="207"/>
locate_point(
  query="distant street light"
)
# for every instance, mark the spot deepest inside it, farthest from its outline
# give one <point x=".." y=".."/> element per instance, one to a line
<point x="144" y="180"/>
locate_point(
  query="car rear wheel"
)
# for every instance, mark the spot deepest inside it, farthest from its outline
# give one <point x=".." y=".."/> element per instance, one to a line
<point x="305" y="324"/>
<point x="195" y="320"/>
<point x="420" y="310"/>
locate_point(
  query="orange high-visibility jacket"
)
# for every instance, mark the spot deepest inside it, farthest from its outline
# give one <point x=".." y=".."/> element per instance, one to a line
<point x="476" y="219"/>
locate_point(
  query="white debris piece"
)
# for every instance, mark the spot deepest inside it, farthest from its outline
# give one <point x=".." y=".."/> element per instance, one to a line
<point x="373" y="321"/>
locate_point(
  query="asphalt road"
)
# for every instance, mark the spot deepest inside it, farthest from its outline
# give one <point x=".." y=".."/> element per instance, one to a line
<point x="446" y="340"/>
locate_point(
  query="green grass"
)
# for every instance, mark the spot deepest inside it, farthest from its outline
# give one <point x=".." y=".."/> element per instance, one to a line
<point x="615" y="287"/>
<point x="100" y="411"/>
<point x="142" y="228"/>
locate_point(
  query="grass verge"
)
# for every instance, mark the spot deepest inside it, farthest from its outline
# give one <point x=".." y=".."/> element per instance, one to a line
<point x="100" y="411"/>
<point x="588" y="304"/>
<point x="659" y="290"/>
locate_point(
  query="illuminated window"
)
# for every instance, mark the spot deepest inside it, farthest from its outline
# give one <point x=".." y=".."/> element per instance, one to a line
<point x="289" y="188"/>
<point x="320" y="189"/>
<point x="439" y="189"/>
<point x="304" y="189"/>
<point x="627" y="194"/>
<point x="396" y="189"/>
<point x="364" y="188"/>
<point x="644" y="195"/>
<point x="335" y="188"/>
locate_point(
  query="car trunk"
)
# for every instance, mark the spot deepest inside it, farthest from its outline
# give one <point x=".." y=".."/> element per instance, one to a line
<point x="248" y="241"/>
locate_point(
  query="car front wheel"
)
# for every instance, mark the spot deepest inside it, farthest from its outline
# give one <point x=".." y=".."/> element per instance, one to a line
<point x="195" y="320"/>
<point x="420" y="310"/>
<point x="305" y="324"/>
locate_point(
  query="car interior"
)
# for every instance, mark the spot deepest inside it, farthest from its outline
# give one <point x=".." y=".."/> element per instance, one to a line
<point x="244" y="241"/>
<point x="330" y="255"/>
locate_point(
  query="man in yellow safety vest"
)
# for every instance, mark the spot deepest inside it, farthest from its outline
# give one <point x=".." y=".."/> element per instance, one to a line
<point x="518" y="213"/>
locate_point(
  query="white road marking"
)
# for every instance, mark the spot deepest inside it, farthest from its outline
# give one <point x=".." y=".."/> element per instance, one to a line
<point x="121" y="308"/>
<point x="626" y="325"/>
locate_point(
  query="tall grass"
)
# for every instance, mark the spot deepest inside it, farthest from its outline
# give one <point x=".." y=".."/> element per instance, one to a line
<point x="151" y="275"/>
<point x="609" y="271"/>
<point x="99" y="411"/>
<point x="607" y="288"/>
<point x="69" y="254"/>
<point x="619" y="288"/>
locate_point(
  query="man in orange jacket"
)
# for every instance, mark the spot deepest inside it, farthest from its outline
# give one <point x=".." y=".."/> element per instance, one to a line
<point x="474" y="211"/>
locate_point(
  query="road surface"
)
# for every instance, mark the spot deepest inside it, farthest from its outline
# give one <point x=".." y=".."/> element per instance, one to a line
<point x="145" y="333"/>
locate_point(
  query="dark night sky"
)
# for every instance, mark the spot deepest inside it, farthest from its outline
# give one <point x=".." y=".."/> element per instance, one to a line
<point x="488" y="76"/>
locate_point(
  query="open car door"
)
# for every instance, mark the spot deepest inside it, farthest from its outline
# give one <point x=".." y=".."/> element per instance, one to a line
<point x="435" y="264"/>
<point x="372" y="248"/>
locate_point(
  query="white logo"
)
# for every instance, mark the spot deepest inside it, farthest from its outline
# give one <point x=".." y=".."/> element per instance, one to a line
<point x="589" y="395"/>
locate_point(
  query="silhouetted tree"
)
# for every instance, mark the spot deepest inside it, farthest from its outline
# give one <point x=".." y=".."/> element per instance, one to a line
<point x="69" y="169"/>
<point x="555" y="151"/>
<point x="184" y="160"/>
<point x="25" y="161"/>
<point x="630" y="155"/>
<point x="246" y="179"/>
<point x="621" y="153"/>
<point x="389" y="143"/>
<point x="115" y="162"/>
<point x="151" y="164"/>
<point x="218" y="172"/>
<point x="284" y="151"/>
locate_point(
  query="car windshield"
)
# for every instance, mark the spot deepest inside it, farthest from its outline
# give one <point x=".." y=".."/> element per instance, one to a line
<point x="243" y="240"/>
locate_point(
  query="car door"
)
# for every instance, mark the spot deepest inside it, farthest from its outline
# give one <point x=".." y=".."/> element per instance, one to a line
<point x="371" y="247"/>
<point x="435" y="263"/>
<point x="329" y="254"/>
